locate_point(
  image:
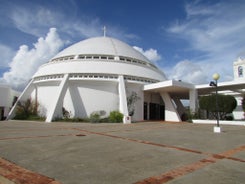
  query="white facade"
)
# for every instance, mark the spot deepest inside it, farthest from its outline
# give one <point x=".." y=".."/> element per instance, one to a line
<point x="92" y="75"/>
<point x="239" y="69"/>
<point x="239" y="75"/>
<point x="234" y="88"/>
<point x="7" y="99"/>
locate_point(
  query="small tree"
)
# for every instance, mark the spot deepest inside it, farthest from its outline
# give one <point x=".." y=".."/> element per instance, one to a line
<point x="66" y="114"/>
<point x="26" y="109"/>
<point x="226" y="105"/>
<point x="131" y="100"/>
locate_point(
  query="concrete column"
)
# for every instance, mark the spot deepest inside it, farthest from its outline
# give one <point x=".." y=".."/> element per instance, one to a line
<point x="24" y="95"/>
<point x="171" y="113"/>
<point x="193" y="100"/>
<point x="148" y="110"/>
<point x="123" y="107"/>
<point x="55" y="105"/>
<point x="180" y="107"/>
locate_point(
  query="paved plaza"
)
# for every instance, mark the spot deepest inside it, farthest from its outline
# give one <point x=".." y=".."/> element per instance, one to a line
<point x="146" y="152"/>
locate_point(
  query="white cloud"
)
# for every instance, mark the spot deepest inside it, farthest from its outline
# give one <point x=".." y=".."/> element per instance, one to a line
<point x="215" y="32"/>
<point x="151" y="54"/>
<point x="36" y="20"/>
<point x="188" y="71"/>
<point x="6" y="55"/>
<point x="33" y="20"/>
<point x="26" y="61"/>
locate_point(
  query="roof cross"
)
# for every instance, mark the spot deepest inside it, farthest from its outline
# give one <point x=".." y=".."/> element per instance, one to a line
<point x="104" y="30"/>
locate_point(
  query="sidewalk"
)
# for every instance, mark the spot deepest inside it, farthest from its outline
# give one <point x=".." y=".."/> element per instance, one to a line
<point x="148" y="152"/>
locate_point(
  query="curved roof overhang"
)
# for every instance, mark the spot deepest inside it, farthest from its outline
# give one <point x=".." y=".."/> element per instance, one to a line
<point x="172" y="87"/>
<point x="181" y="89"/>
<point x="231" y="87"/>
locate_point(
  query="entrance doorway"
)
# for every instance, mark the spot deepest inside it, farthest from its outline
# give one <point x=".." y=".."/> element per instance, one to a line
<point x="156" y="111"/>
<point x="1" y="113"/>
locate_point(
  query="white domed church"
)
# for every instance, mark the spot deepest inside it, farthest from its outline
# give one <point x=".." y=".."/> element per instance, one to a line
<point x="92" y="75"/>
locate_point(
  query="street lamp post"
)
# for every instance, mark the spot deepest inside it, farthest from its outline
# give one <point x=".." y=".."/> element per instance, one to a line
<point x="216" y="77"/>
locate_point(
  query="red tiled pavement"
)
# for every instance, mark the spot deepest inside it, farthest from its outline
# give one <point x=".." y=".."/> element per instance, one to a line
<point x="19" y="175"/>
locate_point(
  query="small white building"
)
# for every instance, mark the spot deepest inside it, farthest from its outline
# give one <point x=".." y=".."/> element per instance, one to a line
<point x="99" y="74"/>
<point x="8" y="97"/>
<point x="235" y="88"/>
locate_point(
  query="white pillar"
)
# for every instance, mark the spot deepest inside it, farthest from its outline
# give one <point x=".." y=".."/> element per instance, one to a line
<point x="180" y="106"/>
<point x="24" y="95"/>
<point x="57" y="99"/>
<point x="193" y="100"/>
<point x="123" y="107"/>
<point x="171" y="113"/>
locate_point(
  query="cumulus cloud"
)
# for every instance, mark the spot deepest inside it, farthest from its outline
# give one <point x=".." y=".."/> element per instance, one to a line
<point x="215" y="32"/>
<point x="151" y="54"/>
<point x="6" y="54"/>
<point x="27" y="60"/>
<point x="188" y="71"/>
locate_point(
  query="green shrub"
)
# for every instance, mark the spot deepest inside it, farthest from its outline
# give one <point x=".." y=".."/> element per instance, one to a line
<point x="189" y="116"/>
<point x="36" y="118"/>
<point x="94" y="117"/>
<point x="73" y="120"/>
<point x="226" y="104"/>
<point x="115" y="117"/>
<point x="27" y="110"/>
<point x="97" y="116"/>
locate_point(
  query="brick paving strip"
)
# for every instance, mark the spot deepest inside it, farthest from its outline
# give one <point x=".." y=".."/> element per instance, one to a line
<point x="14" y="174"/>
<point x="41" y="136"/>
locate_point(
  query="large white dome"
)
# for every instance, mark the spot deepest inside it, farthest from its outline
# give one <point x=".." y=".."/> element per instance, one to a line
<point x="97" y="74"/>
<point x="102" y="55"/>
<point x="102" y="46"/>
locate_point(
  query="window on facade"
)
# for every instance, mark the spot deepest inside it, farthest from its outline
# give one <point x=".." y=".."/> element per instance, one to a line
<point x="81" y="57"/>
<point x="240" y="71"/>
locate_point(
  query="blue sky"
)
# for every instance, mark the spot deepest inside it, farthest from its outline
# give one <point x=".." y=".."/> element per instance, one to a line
<point x="188" y="39"/>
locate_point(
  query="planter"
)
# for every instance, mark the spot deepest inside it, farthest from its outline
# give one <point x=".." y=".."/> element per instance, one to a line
<point x="127" y="119"/>
<point x="217" y="129"/>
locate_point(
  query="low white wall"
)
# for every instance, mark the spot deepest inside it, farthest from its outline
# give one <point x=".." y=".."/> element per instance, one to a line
<point x="201" y="121"/>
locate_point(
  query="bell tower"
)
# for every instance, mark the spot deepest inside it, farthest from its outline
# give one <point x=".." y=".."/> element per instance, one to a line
<point x="239" y="69"/>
